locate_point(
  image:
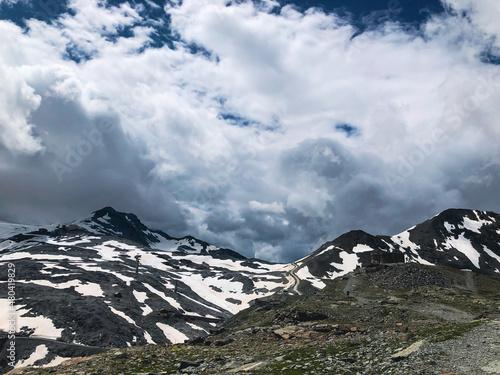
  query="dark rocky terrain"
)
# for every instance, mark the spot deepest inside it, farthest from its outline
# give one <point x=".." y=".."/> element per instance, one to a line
<point x="108" y="281"/>
<point x="438" y="323"/>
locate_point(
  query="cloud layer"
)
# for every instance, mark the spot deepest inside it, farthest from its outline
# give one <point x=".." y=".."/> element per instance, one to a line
<point x="261" y="128"/>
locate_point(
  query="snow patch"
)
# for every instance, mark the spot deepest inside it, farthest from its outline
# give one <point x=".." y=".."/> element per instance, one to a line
<point x="105" y="219"/>
<point x="361" y="248"/>
<point x="44" y="327"/>
<point x="464" y="246"/>
<point x="473" y="225"/>
<point x="331" y="247"/>
<point x="140" y="296"/>
<point x="10" y="229"/>
<point x="56" y="361"/>
<point x="194" y="326"/>
<point x="40" y="352"/>
<point x="172" y="302"/>
<point x="106" y="252"/>
<point x="90" y="289"/>
<point x="148" y="338"/>
<point x="73" y="243"/>
<point x="304" y="274"/>
<point x="173" y="335"/>
<point x="6" y="244"/>
<point x="23" y="254"/>
<point x="87" y="289"/>
<point x="90" y="267"/>
<point x="349" y="263"/>
<point x="146" y="310"/>
<point x="449" y="227"/>
<point x="491" y="254"/>
<point x="122" y="315"/>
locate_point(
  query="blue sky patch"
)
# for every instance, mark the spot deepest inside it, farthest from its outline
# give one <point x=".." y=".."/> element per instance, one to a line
<point x="367" y="13"/>
<point x="235" y="119"/>
<point x="349" y="130"/>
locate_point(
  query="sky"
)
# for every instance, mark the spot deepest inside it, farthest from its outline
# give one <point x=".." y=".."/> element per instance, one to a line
<point x="265" y="127"/>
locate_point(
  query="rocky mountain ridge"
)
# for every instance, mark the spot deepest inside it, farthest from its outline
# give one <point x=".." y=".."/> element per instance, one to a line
<point x="458" y="238"/>
<point x="109" y="281"/>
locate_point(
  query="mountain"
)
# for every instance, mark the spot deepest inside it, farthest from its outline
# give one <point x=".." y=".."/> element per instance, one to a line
<point x="371" y="321"/>
<point x="458" y="238"/>
<point x="108" y="281"/>
<point x="128" y="226"/>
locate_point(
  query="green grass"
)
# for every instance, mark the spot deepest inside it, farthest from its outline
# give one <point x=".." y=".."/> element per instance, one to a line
<point x="445" y="333"/>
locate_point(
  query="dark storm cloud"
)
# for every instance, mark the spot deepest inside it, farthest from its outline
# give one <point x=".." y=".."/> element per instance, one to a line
<point x="88" y="163"/>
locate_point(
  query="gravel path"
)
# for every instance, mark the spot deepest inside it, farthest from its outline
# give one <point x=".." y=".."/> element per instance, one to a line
<point x="475" y="353"/>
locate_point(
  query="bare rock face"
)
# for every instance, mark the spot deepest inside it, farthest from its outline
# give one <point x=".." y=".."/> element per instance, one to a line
<point x="296" y="315"/>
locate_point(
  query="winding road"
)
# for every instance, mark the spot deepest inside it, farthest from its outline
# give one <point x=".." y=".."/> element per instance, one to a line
<point x="296" y="279"/>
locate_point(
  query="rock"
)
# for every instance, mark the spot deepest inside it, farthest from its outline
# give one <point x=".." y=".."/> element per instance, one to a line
<point x="323" y="328"/>
<point x="247" y="367"/>
<point x="348" y="360"/>
<point x="196" y="341"/>
<point x="185" y="364"/>
<point x="221" y="342"/>
<point x="288" y="332"/>
<point x="120" y="355"/>
<point x="297" y="315"/>
<point x="493" y="367"/>
<point x="409" y="350"/>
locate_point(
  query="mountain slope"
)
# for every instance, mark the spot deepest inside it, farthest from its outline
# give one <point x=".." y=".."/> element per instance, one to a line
<point x="458" y="238"/>
<point x="431" y="323"/>
<point x="100" y="282"/>
<point x="109" y="281"/>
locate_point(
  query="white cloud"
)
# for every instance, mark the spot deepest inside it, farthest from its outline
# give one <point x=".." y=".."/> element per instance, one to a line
<point x="423" y="104"/>
<point x="483" y="13"/>
<point x="11" y="2"/>
<point x="274" y="207"/>
<point x="17" y="102"/>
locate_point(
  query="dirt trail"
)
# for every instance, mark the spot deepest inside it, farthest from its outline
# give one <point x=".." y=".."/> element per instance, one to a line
<point x="470" y="282"/>
<point x="350" y="285"/>
<point x="445" y="312"/>
<point x="349" y="290"/>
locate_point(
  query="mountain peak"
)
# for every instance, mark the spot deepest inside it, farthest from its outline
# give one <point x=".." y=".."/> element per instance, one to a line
<point x="108" y="221"/>
<point x="457" y="237"/>
<point x="106" y="210"/>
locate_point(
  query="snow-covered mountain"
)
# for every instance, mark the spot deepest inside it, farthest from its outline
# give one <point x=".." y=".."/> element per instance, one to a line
<point x="107" y="221"/>
<point x="109" y="281"/>
<point x="458" y="238"/>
